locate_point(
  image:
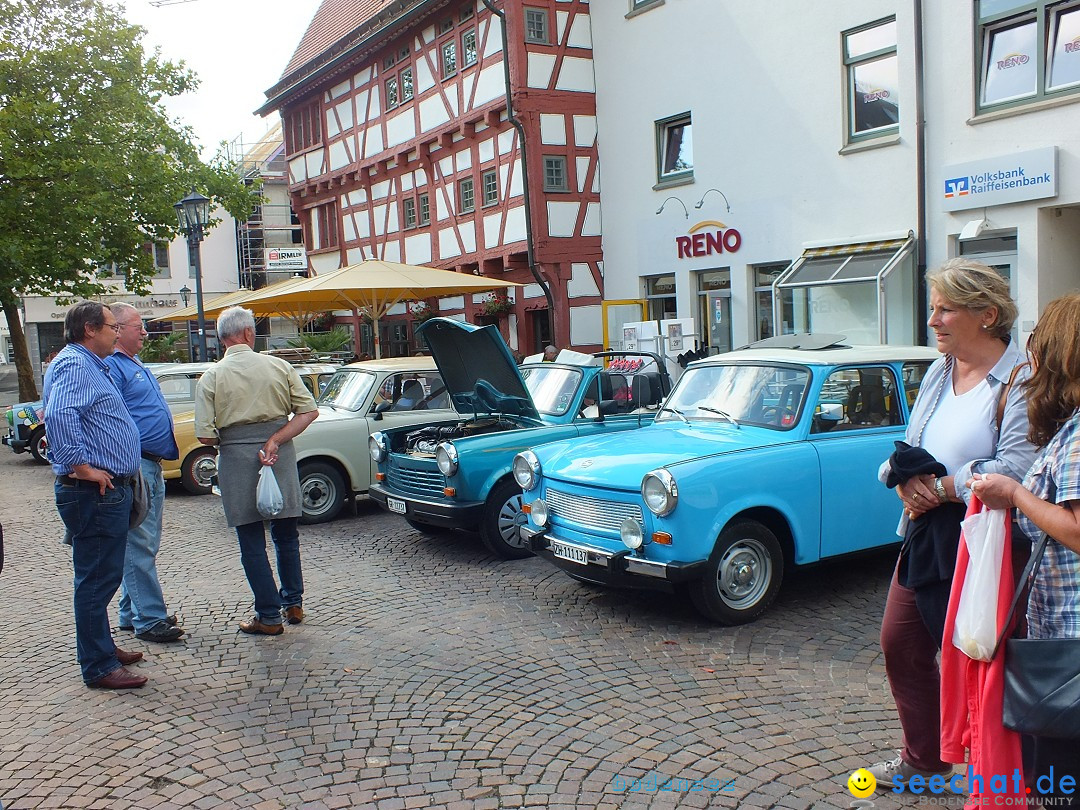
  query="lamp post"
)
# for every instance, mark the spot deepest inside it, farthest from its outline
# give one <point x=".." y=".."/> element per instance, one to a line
<point x="185" y="296"/>
<point x="193" y="214"/>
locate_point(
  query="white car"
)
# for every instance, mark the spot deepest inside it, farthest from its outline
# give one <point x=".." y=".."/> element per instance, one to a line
<point x="361" y="398"/>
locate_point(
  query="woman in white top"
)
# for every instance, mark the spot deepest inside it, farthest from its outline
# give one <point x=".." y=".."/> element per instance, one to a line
<point x="955" y="419"/>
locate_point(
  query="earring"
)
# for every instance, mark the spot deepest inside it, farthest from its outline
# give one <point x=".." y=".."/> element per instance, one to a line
<point x="984" y="326"/>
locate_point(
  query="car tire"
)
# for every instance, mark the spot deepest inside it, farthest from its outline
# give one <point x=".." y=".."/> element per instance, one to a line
<point x="502" y="518"/>
<point x="426" y="528"/>
<point x="742" y="576"/>
<point x="322" y="492"/>
<point x="198" y="468"/>
<point x="39" y="446"/>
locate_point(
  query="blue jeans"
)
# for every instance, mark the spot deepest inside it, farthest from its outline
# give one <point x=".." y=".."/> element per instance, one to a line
<point x="142" y="604"/>
<point x="268" y="599"/>
<point x="98" y="527"/>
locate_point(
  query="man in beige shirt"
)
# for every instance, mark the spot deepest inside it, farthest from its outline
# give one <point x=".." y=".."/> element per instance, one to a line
<point x="243" y="405"/>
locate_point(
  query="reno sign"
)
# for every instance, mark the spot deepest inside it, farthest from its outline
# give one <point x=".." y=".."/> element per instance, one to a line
<point x="707" y="238"/>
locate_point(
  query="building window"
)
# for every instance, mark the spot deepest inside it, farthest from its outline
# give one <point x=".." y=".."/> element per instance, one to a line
<point x="660" y="297"/>
<point x="388" y="62"/>
<point x="391" y="92"/>
<point x="466" y="12"/>
<point x="304" y="128"/>
<point x="160" y="252"/>
<point x="873" y="79"/>
<point x="490" y="181"/>
<point x="466" y="196"/>
<point x="425" y="209"/>
<point x="1027" y="51"/>
<point x="764" y="276"/>
<point x="446" y="25"/>
<point x="406" y="84"/>
<point x="536" y="26"/>
<point x="555" y="173"/>
<point x="714" y="302"/>
<point x="449" y="58"/>
<point x="468" y="48"/>
<point x="675" y="144"/>
<point x="324" y="226"/>
<point x="403" y="54"/>
<point x="408" y="212"/>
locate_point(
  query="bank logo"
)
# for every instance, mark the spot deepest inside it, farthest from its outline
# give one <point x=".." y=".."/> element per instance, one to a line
<point x="957" y="187"/>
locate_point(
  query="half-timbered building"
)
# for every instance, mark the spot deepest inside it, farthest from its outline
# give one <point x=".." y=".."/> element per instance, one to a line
<point x="404" y="143"/>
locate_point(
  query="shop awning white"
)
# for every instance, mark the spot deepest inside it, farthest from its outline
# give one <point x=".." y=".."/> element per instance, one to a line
<point x="846" y="263"/>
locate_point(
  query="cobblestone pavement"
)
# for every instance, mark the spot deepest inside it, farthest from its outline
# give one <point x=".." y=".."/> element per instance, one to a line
<point x="429" y="674"/>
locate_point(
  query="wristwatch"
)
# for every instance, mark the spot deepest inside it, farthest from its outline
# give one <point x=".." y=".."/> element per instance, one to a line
<point x="939" y="489"/>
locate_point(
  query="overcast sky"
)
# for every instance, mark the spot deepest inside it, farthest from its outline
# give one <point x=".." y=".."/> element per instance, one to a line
<point x="238" y="49"/>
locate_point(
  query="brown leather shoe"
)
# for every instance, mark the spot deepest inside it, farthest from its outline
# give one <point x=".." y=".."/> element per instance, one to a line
<point x="294" y="614"/>
<point x="256" y="627"/>
<point x="119" y="678"/>
<point x="127" y="657"/>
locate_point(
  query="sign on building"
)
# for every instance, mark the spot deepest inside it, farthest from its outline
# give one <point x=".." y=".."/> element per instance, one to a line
<point x="285" y="258"/>
<point x="1011" y="178"/>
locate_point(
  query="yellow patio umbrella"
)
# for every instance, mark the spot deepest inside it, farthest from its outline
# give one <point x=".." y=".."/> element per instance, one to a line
<point x="372" y="287"/>
<point x="215" y="306"/>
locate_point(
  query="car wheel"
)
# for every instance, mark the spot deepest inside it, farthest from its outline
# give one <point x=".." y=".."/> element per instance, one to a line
<point x="197" y="471"/>
<point x="39" y="446"/>
<point x="322" y="492"/>
<point x="502" y="518"/>
<point x="426" y="528"/>
<point x="742" y="575"/>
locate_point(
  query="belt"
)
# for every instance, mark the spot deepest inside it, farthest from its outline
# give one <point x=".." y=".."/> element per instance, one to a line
<point x="118" y="480"/>
<point x="152" y="457"/>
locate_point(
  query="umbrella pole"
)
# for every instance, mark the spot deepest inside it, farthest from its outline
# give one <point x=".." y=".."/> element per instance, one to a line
<point x="378" y="345"/>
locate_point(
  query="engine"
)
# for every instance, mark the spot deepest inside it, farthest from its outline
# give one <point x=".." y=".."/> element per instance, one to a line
<point x="423" y="442"/>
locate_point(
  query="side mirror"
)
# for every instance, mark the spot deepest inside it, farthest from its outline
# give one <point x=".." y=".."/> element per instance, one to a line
<point x="824" y="421"/>
<point x="380" y="409"/>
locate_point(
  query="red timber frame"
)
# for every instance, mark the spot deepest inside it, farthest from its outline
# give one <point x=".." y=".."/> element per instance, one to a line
<point x="455" y="128"/>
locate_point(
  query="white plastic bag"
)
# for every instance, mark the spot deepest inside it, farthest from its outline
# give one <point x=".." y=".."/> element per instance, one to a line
<point x="268" y="498"/>
<point x="976" y="631"/>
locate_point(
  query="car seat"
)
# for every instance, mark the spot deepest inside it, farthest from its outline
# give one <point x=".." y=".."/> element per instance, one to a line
<point x="866" y="405"/>
<point x="642" y="392"/>
<point x="411" y="393"/>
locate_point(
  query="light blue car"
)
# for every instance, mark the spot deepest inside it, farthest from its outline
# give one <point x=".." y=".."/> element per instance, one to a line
<point x="759" y="459"/>
<point x="456" y="475"/>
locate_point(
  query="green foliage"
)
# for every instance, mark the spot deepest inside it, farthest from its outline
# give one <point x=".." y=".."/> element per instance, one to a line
<point x="323" y="342"/>
<point x="169" y="348"/>
<point x="90" y="161"/>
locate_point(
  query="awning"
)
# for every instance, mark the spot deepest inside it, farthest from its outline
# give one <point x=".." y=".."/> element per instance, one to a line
<point x="846" y="263"/>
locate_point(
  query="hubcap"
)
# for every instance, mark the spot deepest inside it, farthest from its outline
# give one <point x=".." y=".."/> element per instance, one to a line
<point x="318" y="494"/>
<point x="203" y="470"/>
<point x="511" y="518"/>
<point x="744" y="574"/>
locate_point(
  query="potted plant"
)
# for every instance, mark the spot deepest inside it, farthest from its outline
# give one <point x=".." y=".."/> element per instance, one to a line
<point x="421" y="311"/>
<point x="496" y="303"/>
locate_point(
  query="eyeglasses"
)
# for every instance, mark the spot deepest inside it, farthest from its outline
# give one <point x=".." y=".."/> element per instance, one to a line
<point x="114" y="326"/>
<point x="135" y="324"/>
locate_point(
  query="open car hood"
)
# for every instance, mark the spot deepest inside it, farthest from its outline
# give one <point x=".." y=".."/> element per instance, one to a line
<point x="477" y="368"/>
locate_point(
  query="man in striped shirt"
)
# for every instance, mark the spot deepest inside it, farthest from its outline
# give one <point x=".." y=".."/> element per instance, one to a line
<point x="94" y="450"/>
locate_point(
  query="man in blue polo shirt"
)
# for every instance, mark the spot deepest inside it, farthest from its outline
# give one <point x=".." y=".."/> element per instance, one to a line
<point x="142" y="605"/>
<point x="94" y="450"/>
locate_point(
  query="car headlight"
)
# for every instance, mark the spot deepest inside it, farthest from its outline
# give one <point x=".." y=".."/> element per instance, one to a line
<point x="526" y="470"/>
<point x="377" y="447"/>
<point x="660" y="492"/>
<point x="538" y="510"/>
<point x="446" y="458"/>
<point x="631" y="533"/>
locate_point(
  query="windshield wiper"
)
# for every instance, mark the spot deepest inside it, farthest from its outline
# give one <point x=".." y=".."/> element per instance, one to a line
<point x="720" y="413"/>
<point x="675" y="411"/>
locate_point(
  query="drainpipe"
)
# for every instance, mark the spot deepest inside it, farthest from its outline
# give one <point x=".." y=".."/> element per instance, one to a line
<point x="920" y="178"/>
<point x="517" y="125"/>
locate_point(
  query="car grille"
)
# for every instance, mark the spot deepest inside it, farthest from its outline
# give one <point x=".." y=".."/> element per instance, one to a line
<point x="415" y="482"/>
<point x="594" y="513"/>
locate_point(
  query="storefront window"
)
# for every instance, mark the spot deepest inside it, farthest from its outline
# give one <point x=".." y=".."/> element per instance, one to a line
<point x="660" y="294"/>
<point x="764" y="276"/>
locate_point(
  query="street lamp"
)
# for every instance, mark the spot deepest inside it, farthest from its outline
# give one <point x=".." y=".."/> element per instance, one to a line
<point x="185" y="294"/>
<point x="193" y="214"/>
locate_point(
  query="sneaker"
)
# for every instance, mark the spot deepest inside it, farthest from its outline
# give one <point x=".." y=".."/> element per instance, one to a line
<point x="885" y="771"/>
<point x="294" y="614"/>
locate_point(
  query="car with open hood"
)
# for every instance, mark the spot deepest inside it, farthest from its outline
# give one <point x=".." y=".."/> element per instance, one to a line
<point x="332" y="453"/>
<point x="760" y="459"/>
<point x="458" y="475"/>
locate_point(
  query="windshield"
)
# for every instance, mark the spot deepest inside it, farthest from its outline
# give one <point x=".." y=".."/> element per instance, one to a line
<point x="348" y="389"/>
<point x="764" y="395"/>
<point x="552" y="388"/>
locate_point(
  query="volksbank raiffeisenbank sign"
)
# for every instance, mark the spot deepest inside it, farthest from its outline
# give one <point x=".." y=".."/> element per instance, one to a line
<point x="995" y="181"/>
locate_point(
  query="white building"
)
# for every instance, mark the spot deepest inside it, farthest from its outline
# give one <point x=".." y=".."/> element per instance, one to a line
<point x="805" y="119"/>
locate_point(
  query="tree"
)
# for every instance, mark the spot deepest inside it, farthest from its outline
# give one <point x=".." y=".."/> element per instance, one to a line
<point x="90" y="162"/>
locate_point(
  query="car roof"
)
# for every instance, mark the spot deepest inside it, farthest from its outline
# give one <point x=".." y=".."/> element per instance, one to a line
<point x="316" y="368"/>
<point x="425" y="363"/>
<point x="842" y="355"/>
<point x="177" y="368"/>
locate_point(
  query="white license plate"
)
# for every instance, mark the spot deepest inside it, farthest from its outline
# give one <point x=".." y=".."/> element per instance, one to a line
<point x="395" y="505"/>
<point x="574" y="555"/>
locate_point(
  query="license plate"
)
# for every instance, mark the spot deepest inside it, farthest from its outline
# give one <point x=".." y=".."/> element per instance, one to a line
<point x="395" y="505"/>
<point x="569" y="553"/>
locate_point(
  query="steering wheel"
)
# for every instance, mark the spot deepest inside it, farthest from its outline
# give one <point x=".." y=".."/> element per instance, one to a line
<point x="775" y="415"/>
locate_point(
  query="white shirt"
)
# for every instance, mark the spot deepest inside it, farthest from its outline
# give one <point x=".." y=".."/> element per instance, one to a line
<point x="961" y="428"/>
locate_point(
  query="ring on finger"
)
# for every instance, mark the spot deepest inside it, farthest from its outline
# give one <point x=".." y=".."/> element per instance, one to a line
<point x="916" y="496"/>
